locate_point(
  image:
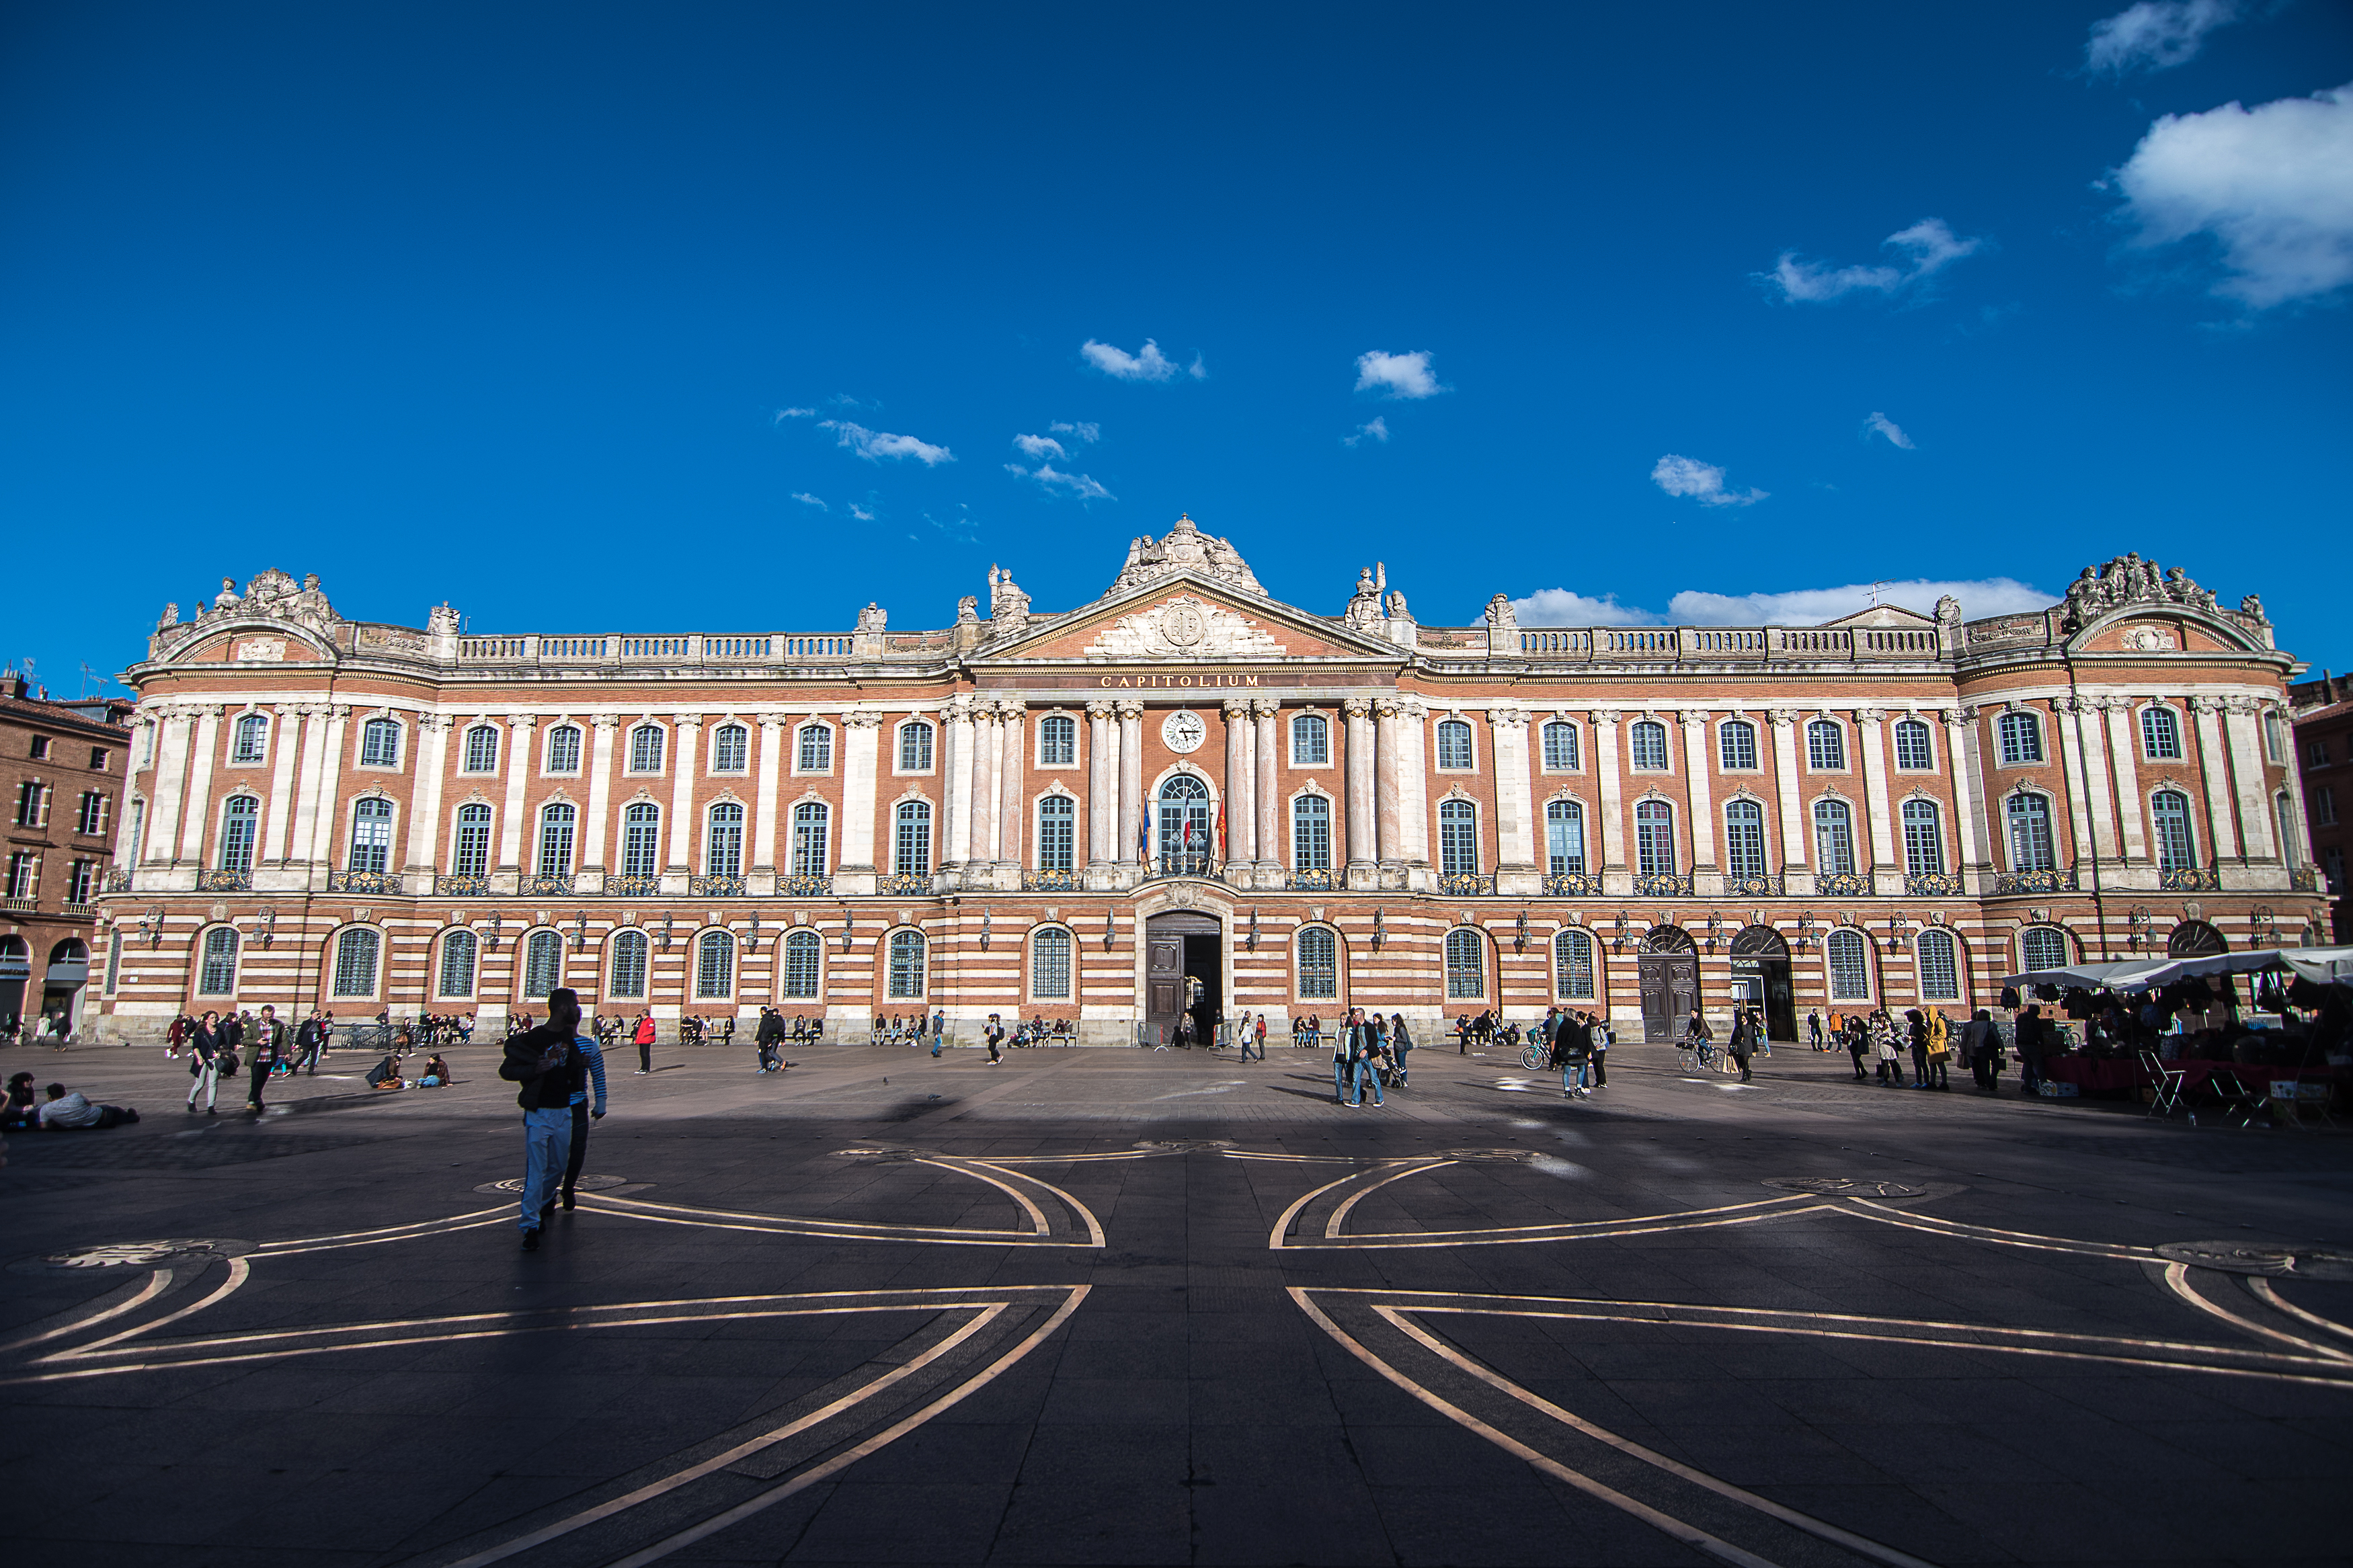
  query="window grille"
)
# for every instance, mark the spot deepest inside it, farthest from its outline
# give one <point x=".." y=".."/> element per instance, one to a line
<point x="355" y="959"/>
<point x="2175" y="851"/>
<point x="371" y="836"/>
<point x="641" y="839"/>
<point x="816" y="750"/>
<point x="1049" y="966"/>
<point x="1319" y="965"/>
<point x="1736" y="745"/>
<point x="1924" y="840"/>
<point x="1457" y="838"/>
<point x="1915" y="752"/>
<point x="1466" y="965"/>
<point x="1058" y="819"/>
<point x="380" y="744"/>
<point x="2030" y="833"/>
<point x="252" y="738"/>
<point x="1655" y="839"/>
<point x="1310" y="834"/>
<point x="715" y="965"/>
<point x="1564" y="836"/>
<point x="1058" y="741"/>
<point x="1572" y="957"/>
<point x="730" y="749"/>
<point x="2043" y="947"/>
<point x="482" y="749"/>
<point x="239" y="819"/>
<point x="218" y="975"/>
<point x="803" y="957"/>
<point x="471" y="855"/>
<point x="1940" y="970"/>
<point x="1646" y="747"/>
<point x="2160" y="734"/>
<point x="724" y="850"/>
<point x="1833" y="839"/>
<point x="1454" y="747"/>
<point x="630" y="951"/>
<point x="556" y="824"/>
<point x="912" y="841"/>
<point x="810" y="823"/>
<point x="458" y="949"/>
<point x="543" y="964"/>
<point x="2022" y="738"/>
<point x="1560" y="747"/>
<point x="906" y="966"/>
<point x="1310" y="741"/>
<point x="1743" y="839"/>
<point x="563" y="749"/>
<point x="915" y="748"/>
<point x="1848" y="965"/>
<point x="646" y="749"/>
<point x="1825" y="747"/>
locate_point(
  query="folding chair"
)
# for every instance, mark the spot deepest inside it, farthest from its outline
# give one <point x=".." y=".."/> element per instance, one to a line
<point x="2315" y="1097"/>
<point x="2284" y="1102"/>
<point x="2167" y="1083"/>
<point x="2234" y="1097"/>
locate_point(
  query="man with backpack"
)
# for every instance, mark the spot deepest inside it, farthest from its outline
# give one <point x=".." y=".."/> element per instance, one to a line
<point x="545" y="1061"/>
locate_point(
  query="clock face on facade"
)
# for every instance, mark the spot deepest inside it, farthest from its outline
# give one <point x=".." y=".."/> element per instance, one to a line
<point x="1183" y="732"/>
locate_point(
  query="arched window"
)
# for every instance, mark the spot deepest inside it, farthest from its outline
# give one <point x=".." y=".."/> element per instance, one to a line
<point x="1743" y="839"/>
<point x="481" y="754"/>
<point x="2290" y="839"/>
<point x="380" y="744"/>
<point x="1050" y="964"/>
<point x="730" y="749"/>
<point x="2030" y="833"/>
<point x="1924" y="840"/>
<point x="543" y="964"/>
<point x="646" y="749"/>
<point x="563" y="750"/>
<point x="640" y="839"/>
<point x="1457" y="838"/>
<point x="1572" y="963"/>
<point x="2041" y="947"/>
<point x="1310" y="741"/>
<point x="356" y="963"/>
<point x="1319" y="965"/>
<point x="1058" y="832"/>
<point x="1466" y="965"/>
<point x="2176" y="849"/>
<point x="470" y="856"/>
<point x="2274" y="736"/>
<point x="811" y="821"/>
<point x="722" y="853"/>
<point x="1849" y="966"/>
<point x="911" y="839"/>
<point x="1310" y="834"/>
<point x="1940" y="967"/>
<point x="459" y="950"/>
<point x="1560" y="747"/>
<point x="1058" y="741"/>
<point x="251" y="739"/>
<point x="915" y="747"/>
<point x="1736" y="745"/>
<point x="1915" y="752"/>
<point x="1655" y="839"/>
<point x="1185" y="823"/>
<point x="1564" y="838"/>
<point x="1825" y="747"/>
<point x="1833" y="839"/>
<point x="1454" y="750"/>
<point x="2022" y="738"/>
<point x="814" y="755"/>
<point x="556" y="824"/>
<point x="715" y="965"/>
<point x="906" y="965"/>
<point x="1646" y="747"/>
<point x="2160" y="734"/>
<point x="370" y="834"/>
<point x="216" y="975"/>
<point x="804" y="959"/>
<point x="631" y="950"/>
<point x="239" y="817"/>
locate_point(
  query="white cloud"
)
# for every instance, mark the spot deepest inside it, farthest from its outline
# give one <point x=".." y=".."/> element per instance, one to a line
<point x="1150" y="364"/>
<point x="1397" y="375"/>
<point x="2155" y="35"/>
<point x="1702" y="482"/>
<point x="860" y="513"/>
<point x="1882" y="425"/>
<point x="1559" y="607"/>
<point x="1041" y="446"/>
<point x="785" y="414"/>
<point x="1926" y="248"/>
<point x="876" y="445"/>
<point x="1378" y="430"/>
<point x="1811" y="606"/>
<point x="1082" y="486"/>
<point x="2273" y="185"/>
<point x="1085" y="430"/>
<point x="807" y="500"/>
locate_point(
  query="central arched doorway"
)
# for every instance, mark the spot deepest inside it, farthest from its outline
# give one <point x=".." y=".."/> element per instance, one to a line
<point x="1184" y="972"/>
<point x="2195" y="939"/>
<point x="1760" y="979"/>
<point x="1668" y="972"/>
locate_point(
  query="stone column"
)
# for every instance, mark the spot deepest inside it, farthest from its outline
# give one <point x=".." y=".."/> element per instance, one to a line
<point x="201" y="750"/>
<point x="2071" y="768"/>
<point x="513" y="752"/>
<point x="1515" y="839"/>
<point x="1131" y="784"/>
<point x="2240" y="722"/>
<point x="2214" y="768"/>
<point x="2122" y="747"/>
<point x="1387" y="819"/>
<point x="278" y="817"/>
<point x="1013" y="726"/>
<point x="424" y="799"/>
<point x="595" y="831"/>
<point x="1413" y="781"/>
<point x="307" y="776"/>
<point x="1609" y="820"/>
<point x="771" y="758"/>
<point x="1267" y="733"/>
<point x="172" y="743"/>
<point x="331" y="776"/>
<point x="1241" y="784"/>
<point x="1699" y="797"/>
<point x="1364" y="837"/>
<point x="1792" y="810"/>
<point x="982" y="849"/>
<point x="685" y="752"/>
<point x="1102" y="783"/>
<point x="1975" y="833"/>
<point x="1871" y="740"/>
<point x="861" y="754"/>
<point x="2079" y="728"/>
<point x="956" y="774"/>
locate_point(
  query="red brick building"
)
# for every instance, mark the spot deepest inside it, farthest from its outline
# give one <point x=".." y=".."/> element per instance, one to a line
<point x="1070" y="813"/>
<point x="61" y="772"/>
<point x="2323" y="711"/>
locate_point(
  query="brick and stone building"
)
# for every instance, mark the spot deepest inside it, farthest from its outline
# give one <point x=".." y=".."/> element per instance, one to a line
<point x="1188" y="792"/>
<point x="2323" y="716"/>
<point x="61" y="772"/>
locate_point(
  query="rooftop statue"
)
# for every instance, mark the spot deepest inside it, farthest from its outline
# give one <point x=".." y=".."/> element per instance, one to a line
<point x="2129" y="580"/>
<point x="1184" y="548"/>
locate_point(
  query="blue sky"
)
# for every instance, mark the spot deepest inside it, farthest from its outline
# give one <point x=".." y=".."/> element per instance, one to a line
<point x="1595" y="307"/>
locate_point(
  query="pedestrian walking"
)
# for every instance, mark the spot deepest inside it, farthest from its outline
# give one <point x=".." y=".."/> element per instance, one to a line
<point x="770" y="1035"/>
<point x="590" y="1057"/>
<point x="1743" y="1042"/>
<point x="939" y="1029"/>
<point x="995" y="1036"/>
<point x="644" y="1040"/>
<point x="174" y="1037"/>
<point x="1340" y="1058"/>
<point x="1597" y="1027"/>
<point x="203" y="1063"/>
<point x="2032" y="1041"/>
<point x="308" y="1039"/>
<point x="1358" y="1041"/>
<point x="269" y="1036"/>
<point x="1814" y="1031"/>
<point x="1916" y="1034"/>
<point x="1983" y="1043"/>
<point x="1882" y="1044"/>
<point x="1400" y="1043"/>
<point x="1571" y="1052"/>
<point x="1940" y="1046"/>
<point x="544" y="1062"/>
<point x="1851" y="1031"/>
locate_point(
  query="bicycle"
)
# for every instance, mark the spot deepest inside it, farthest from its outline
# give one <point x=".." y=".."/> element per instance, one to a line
<point x="1534" y="1056"/>
<point x="1700" y="1056"/>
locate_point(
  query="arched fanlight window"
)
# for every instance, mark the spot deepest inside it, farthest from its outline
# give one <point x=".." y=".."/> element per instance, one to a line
<point x="1654" y="837"/>
<point x="1849" y="966"/>
<point x="1466" y="965"/>
<point x="556" y="820"/>
<point x="2041" y="947"/>
<point x="1457" y="838"/>
<point x="482" y="750"/>
<point x="2030" y="847"/>
<point x="646" y="744"/>
<point x="631" y="950"/>
<point x="811" y="821"/>
<point x="1560" y="747"/>
<point x="814" y="753"/>
<point x="1743" y="839"/>
<point x="380" y="744"/>
<point x="1825" y="746"/>
<point x="1572" y="959"/>
<point x="356" y="951"/>
<point x="563" y="749"/>
<point x="2022" y="738"/>
<point x="1833" y="839"/>
<point x="1646" y="747"/>
<point x="1319" y="965"/>
<point x="1924" y="838"/>
<point x="1058" y="832"/>
<point x="1185" y="841"/>
<point x="723" y="840"/>
<point x="715" y="965"/>
<point x="911" y="838"/>
<point x="730" y="749"/>
<point x="470" y="853"/>
<point x="1050" y="964"/>
<point x="1310" y="741"/>
<point x="461" y="949"/>
<point x="1454" y="745"/>
<point x="1058" y="741"/>
<point x="1915" y="751"/>
<point x="640" y="839"/>
<point x="1310" y="834"/>
<point x="543" y="964"/>
<point x="915" y="747"/>
<point x="251" y="740"/>
<point x="370" y="834"/>
<point x="216" y="975"/>
<point x="804" y="961"/>
<point x="1940" y="969"/>
<point x="1736" y="745"/>
<point x="240" y="818"/>
<point x="906" y="965"/>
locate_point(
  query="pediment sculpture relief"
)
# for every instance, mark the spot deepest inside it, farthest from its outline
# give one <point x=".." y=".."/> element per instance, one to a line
<point x="1185" y="627"/>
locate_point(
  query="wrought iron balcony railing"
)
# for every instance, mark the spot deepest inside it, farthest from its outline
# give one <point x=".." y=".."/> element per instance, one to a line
<point x="1572" y="885"/>
<point x="1324" y="881"/>
<point x="2189" y="880"/>
<point x="715" y="887"/>
<point x="473" y="885"/>
<point x="1757" y="885"/>
<point x="556" y="886"/>
<point x="1662" y="885"/>
<point x="1466" y="885"/>
<point x="1933" y="884"/>
<point x="631" y="887"/>
<point x="807" y="885"/>
<point x="1050" y="881"/>
<point x="226" y="880"/>
<point x="914" y="882"/>
<point x="1184" y="863"/>
<point x="362" y="882"/>
<point x="2007" y="884"/>
<point x="1845" y="884"/>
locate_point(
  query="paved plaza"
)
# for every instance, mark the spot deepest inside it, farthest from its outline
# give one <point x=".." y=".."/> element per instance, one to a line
<point x="1101" y="1306"/>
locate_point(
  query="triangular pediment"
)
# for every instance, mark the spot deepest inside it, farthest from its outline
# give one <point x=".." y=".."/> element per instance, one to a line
<point x="1886" y="615"/>
<point x="1187" y="617"/>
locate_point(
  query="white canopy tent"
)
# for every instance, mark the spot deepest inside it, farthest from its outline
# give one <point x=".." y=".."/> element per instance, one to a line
<point x="2327" y="964"/>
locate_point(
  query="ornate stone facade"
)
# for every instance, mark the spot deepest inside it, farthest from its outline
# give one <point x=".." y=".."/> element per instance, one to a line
<point x="1067" y="813"/>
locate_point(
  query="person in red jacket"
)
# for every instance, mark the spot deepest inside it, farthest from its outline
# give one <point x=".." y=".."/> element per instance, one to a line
<point x="645" y="1039"/>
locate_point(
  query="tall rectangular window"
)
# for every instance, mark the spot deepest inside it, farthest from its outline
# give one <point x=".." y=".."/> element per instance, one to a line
<point x="1560" y="747"/>
<point x="1646" y="747"/>
<point x="1057" y="831"/>
<point x="371" y="836"/>
<point x="1319" y="965"/>
<point x="1572" y="953"/>
<point x="1849" y="966"/>
<point x="1310" y="741"/>
<point x="1915" y="752"/>
<point x="1457" y="838"/>
<point x="810" y="830"/>
<point x="1924" y="840"/>
<point x="2022" y="738"/>
<point x="556" y="824"/>
<point x="481" y="754"/>
<point x="912" y="840"/>
<point x="471" y="856"/>
<point x="2030" y="833"/>
<point x="1735" y="744"/>
<point x="1655" y="839"/>
<point x="1564" y="838"/>
<point x="641" y="839"/>
<point x="723" y="852"/>
<point x="815" y="753"/>
<point x="915" y="747"/>
<point x="1743" y="839"/>
<point x="1058" y="741"/>
<point x="1833" y="839"/>
<point x="1310" y="834"/>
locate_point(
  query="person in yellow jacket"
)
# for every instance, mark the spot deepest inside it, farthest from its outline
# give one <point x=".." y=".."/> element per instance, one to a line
<point x="1940" y="1046"/>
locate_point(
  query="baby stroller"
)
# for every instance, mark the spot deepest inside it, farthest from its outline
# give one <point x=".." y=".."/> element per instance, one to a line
<point x="1390" y="1066"/>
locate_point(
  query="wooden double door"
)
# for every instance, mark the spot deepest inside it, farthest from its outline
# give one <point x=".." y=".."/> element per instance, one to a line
<point x="1184" y="972"/>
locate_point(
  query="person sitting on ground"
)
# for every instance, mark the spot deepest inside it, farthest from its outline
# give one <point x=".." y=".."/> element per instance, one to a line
<point x="74" y="1111"/>
<point x="437" y="1073"/>
<point x="385" y="1074"/>
<point x="20" y="1111"/>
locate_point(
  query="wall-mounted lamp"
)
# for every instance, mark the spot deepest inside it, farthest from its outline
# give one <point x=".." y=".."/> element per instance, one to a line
<point x="1899" y="934"/>
<point x="1380" y="928"/>
<point x="1804" y="938"/>
<point x="151" y="925"/>
<point x="491" y="941"/>
<point x="1621" y="932"/>
<point x="2139" y="921"/>
<point x="751" y="937"/>
<point x="844" y="928"/>
<point x="986" y="925"/>
<point x="1715" y="930"/>
<point x="579" y="930"/>
<point x="666" y="919"/>
<point x="269" y="931"/>
<point x="1520" y="932"/>
<point x="1251" y="941"/>
<point x="1111" y="929"/>
<point x="2260" y="920"/>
